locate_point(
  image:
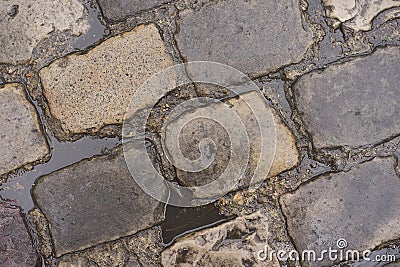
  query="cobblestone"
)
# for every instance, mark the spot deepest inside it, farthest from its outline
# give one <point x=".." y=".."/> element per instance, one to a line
<point x="121" y="9"/>
<point x="286" y="153"/>
<point x="352" y="104"/>
<point x="94" y="201"/>
<point x="21" y="138"/>
<point x="15" y="243"/>
<point x="86" y="92"/>
<point x="256" y="37"/>
<point x="358" y="15"/>
<point x="28" y="22"/>
<point x="359" y="206"/>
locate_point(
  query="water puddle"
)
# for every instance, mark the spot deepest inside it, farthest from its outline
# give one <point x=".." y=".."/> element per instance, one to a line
<point x="98" y="28"/>
<point x="180" y="221"/>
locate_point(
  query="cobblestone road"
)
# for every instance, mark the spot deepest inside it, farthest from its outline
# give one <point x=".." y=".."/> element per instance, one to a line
<point x="328" y="74"/>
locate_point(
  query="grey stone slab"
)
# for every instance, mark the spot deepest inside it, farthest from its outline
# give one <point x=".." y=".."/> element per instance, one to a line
<point x="360" y="206"/>
<point x="286" y="153"/>
<point x="235" y="243"/>
<point x="352" y="104"/>
<point x="117" y="10"/>
<point x="15" y="242"/>
<point x="21" y="139"/>
<point x="86" y="92"/>
<point x="92" y="202"/>
<point x="256" y="37"/>
<point x="27" y="22"/>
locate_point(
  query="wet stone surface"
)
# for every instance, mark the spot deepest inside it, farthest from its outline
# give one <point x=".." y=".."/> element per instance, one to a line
<point x="286" y="154"/>
<point x="28" y="22"/>
<point x="15" y="242"/>
<point x="121" y="9"/>
<point x="21" y="138"/>
<point x="86" y="92"/>
<point x="235" y="243"/>
<point x="92" y="202"/>
<point x="358" y="15"/>
<point x="359" y="205"/>
<point x="352" y="104"/>
<point x="143" y="249"/>
<point x="255" y="37"/>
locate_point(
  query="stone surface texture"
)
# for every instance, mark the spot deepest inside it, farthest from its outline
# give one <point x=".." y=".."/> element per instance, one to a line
<point x="359" y="205"/>
<point x="28" y="22"/>
<point x="21" y="139"/>
<point x="358" y="14"/>
<point x="235" y="243"/>
<point x="15" y="242"/>
<point x="232" y="33"/>
<point x="94" y="201"/>
<point x="121" y="9"/>
<point x="286" y="153"/>
<point x="352" y="104"/>
<point x="88" y="91"/>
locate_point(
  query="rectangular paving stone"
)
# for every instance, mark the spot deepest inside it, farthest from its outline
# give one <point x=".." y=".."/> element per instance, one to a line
<point x="86" y="92"/>
<point x="360" y="206"/>
<point x="234" y="243"/>
<point x="29" y="21"/>
<point x="286" y="154"/>
<point x="94" y="201"/>
<point x="352" y="104"/>
<point x="256" y="37"/>
<point x="117" y="10"/>
<point x="21" y="138"/>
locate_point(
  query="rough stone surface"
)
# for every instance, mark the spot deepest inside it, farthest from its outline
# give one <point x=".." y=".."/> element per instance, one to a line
<point x="352" y="104"/>
<point x="86" y="92"/>
<point x="21" y="140"/>
<point x="255" y="37"/>
<point x="94" y="201"/>
<point x="286" y="153"/>
<point x="15" y="242"/>
<point x="359" y="206"/>
<point x="142" y="249"/>
<point x="121" y="9"/>
<point x="29" y="21"/>
<point x="235" y="243"/>
<point x="357" y="15"/>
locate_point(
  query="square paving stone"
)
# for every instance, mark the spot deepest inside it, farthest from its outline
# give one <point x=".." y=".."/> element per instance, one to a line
<point x="360" y="206"/>
<point x="21" y="138"/>
<point x="88" y="91"/>
<point x="352" y="104"/>
<point x="256" y="37"/>
<point x="94" y="201"/>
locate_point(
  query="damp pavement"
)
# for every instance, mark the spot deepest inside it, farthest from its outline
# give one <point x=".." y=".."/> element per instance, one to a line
<point x="328" y="72"/>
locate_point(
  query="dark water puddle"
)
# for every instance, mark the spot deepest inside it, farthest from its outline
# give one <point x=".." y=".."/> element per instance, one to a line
<point x="180" y="221"/>
<point x="98" y="28"/>
<point x="18" y="187"/>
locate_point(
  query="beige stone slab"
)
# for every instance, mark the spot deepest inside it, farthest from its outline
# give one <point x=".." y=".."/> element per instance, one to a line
<point x="86" y="92"/>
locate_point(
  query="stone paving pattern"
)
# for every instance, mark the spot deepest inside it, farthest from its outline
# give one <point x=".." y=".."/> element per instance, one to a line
<point x="335" y="173"/>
